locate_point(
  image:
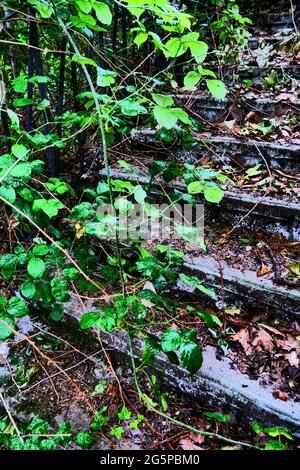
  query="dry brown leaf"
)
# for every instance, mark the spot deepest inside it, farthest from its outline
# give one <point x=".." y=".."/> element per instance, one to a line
<point x="243" y="337"/>
<point x="263" y="341"/>
<point x="274" y="330"/>
<point x="281" y="395"/>
<point x="292" y="358"/>
<point x="263" y="271"/>
<point x="187" y="444"/>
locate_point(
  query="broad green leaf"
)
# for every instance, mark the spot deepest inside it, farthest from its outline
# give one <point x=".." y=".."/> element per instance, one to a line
<point x="20" y="170"/>
<point x="84" y="5"/>
<point x="175" y="48"/>
<point x="36" y="268"/>
<point x="50" y="207"/>
<point x="191" y="356"/>
<point x="164" y="101"/>
<point x="131" y="107"/>
<point x="5" y="331"/>
<point x="171" y="340"/>
<point x="140" y="195"/>
<point x="17" y="307"/>
<point x="140" y="38"/>
<point x="279" y="431"/>
<point x="165" y="117"/>
<point x="213" y="193"/>
<point x="195" y="282"/>
<point x="89" y="319"/>
<point x="20" y="102"/>
<point x="103" y="12"/>
<point x="191" y="80"/>
<point x="217" y="88"/>
<point x="195" y="187"/>
<point x="20" y="84"/>
<point x="8" y="193"/>
<point x="19" y="151"/>
<point x="105" y="77"/>
<point x="28" y="289"/>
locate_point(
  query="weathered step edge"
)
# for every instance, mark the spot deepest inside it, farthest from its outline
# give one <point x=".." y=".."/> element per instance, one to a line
<point x="243" y="287"/>
<point x="267" y="214"/>
<point x="215" y="110"/>
<point x="216" y="384"/>
<point x="285" y="157"/>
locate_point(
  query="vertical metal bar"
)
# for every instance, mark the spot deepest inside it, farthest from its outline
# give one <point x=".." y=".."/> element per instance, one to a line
<point x="81" y="136"/>
<point x="115" y="27"/>
<point x="124" y="31"/>
<point x="60" y="102"/>
<point x="28" y="124"/>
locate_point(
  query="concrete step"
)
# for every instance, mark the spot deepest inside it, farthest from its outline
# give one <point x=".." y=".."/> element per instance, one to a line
<point x="214" y="110"/>
<point x="244" y="211"/>
<point x="218" y="383"/>
<point x="233" y="151"/>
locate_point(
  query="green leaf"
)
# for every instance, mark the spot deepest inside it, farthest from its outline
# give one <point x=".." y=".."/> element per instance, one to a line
<point x="19" y="151"/>
<point x="279" y="431"/>
<point x="275" y="445"/>
<point x="105" y="77"/>
<point x="82" y="211"/>
<point x="17" y="307"/>
<point x="191" y="80"/>
<point x="198" y="50"/>
<point x="195" y="282"/>
<point x="117" y="431"/>
<point x="89" y="319"/>
<point x="8" y="193"/>
<point x="85" y="440"/>
<point x="103" y="12"/>
<point x="36" y="268"/>
<point x="20" y="102"/>
<point x="213" y="193"/>
<point x="171" y="340"/>
<point x="140" y="38"/>
<point x="5" y="331"/>
<point x="165" y="117"/>
<point x="84" y="5"/>
<point x="124" y="414"/>
<point x="40" y="250"/>
<point x="163" y="101"/>
<point x="195" y="187"/>
<point x="130" y="107"/>
<point x="191" y="356"/>
<point x="59" y="289"/>
<point x="20" y="84"/>
<point x="50" y="207"/>
<point x="20" y="170"/>
<point x="221" y="418"/>
<point x="13" y="117"/>
<point x="140" y="195"/>
<point x="28" y="289"/>
<point x="217" y="88"/>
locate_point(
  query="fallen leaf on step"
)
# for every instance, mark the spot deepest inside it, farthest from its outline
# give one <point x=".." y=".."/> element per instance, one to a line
<point x="292" y="358"/>
<point x="264" y="270"/>
<point x="243" y="338"/>
<point x="263" y="341"/>
<point x="281" y="395"/>
<point x="187" y="444"/>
